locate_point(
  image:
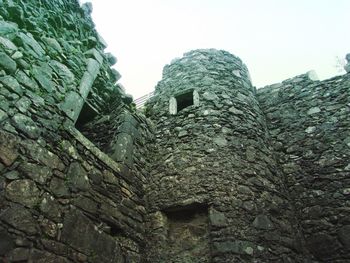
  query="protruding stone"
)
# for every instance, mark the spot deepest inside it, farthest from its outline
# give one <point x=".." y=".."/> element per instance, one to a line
<point x="72" y="105"/>
<point x="220" y="141"/>
<point x="8" y="148"/>
<point x="7" y="44"/>
<point x="8" y="29"/>
<point x="12" y="84"/>
<point x="312" y="75"/>
<point x="347" y="66"/>
<point x="112" y="60"/>
<point x="217" y="219"/>
<point x="313" y="110"/>
<point x="7" y="63"/>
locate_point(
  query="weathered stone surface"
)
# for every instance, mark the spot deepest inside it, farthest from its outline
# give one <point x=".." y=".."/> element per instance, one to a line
<point x="19" y="254"/>
<point x="38" y="173"/>
<point x="7" y="44"/>
<point x="43" y="156"/>
<point x="26" y="125"/>
<point x="313" y="110"/>
<point x="3" y="115"/>
<point x="53" y="43"/>
<point x="122" y="150"/>
<point x="212" y="182"/>
<point x="237" y="247"/>
<point x="86" y="204"/>
<point x="63" y="71"/>
<point x="12" y="175"/>
<point x="263" y="222"/>
<point x="322" y="246"/>
<point x="43" y="76"/>
<point x="77" y="178"/>
<point x="80" y="232"/>
<point x="28" y="41"/>
<point x="7" y="63"/>
<point x="217" y="219"/>
<point x="23" y="191"/>
<point x="45" y="168"/>
<point x="25" y="80"/>
<point x="8" y="29"/>
<point x="59" y="187"/>
<point x="12" y="84"/>
<point x="50" y="207"/>
<point x="19" y="217"/>
<point x="72" y="105"/>
<point x="7" y="242"/>
<point x="23" y="104"/>
<point x="8" y="148"/>
<point x="217" y="158"/>
<point x="344" y="236"/>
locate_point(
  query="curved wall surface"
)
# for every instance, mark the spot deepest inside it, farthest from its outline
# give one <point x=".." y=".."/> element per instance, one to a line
<point x="213" y="163"/>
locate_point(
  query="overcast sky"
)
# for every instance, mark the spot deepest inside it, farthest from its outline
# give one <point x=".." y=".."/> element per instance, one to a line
<point x="276" y="39"/>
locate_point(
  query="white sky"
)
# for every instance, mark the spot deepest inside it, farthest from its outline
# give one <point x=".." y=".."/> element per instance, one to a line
<point x="276" y="39"/>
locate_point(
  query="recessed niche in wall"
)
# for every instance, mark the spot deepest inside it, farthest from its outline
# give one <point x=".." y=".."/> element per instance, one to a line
<point x="183" y="100"/>
<point x="188" y="235"/>
<point x="87" y="114"/>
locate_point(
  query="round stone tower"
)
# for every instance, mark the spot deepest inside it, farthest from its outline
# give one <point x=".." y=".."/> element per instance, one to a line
<point x="215" y="193"/>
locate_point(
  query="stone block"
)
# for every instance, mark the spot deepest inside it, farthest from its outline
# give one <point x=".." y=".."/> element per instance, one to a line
<point x="7" y="44"/>
<point x="8" y="148"/>
<point x="23" y="191"/>
<point x="62" y="71"/>
<point x="38" y="173"/>
<point x="26" y="125"/>
<point x="72" y="105"/>
<point x="12" y="84"/>
<point x="7" y="242"/>
<point x="8" y="29"/>
<point x="80" y="233"/>
<point x="7" y="63"/>
<point x="77" y="178"/>
<point x="20" y="218"/>
<point x="28" y="41"/>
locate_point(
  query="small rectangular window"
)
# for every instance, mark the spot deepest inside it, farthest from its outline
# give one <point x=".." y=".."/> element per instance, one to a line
<point x="184" y="100"/>
<point x="87" y="114"/>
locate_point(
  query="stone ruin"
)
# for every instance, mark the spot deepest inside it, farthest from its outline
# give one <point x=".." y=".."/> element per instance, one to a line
<point x="212" y="170"/>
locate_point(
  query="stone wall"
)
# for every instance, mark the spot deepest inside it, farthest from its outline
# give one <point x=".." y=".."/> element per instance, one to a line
<point x="213" y="162"/>
<point x="61" y="198"/>
<point x="309" y="122"/>
<point x="224" y="173"/>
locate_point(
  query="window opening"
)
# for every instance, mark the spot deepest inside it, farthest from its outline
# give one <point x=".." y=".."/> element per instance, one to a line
<point x="87" y="114"/>
<point x="184" y="100"/>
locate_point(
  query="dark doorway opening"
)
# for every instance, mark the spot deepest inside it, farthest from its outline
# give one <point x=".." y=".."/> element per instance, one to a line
<point x="184" y="100"/>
